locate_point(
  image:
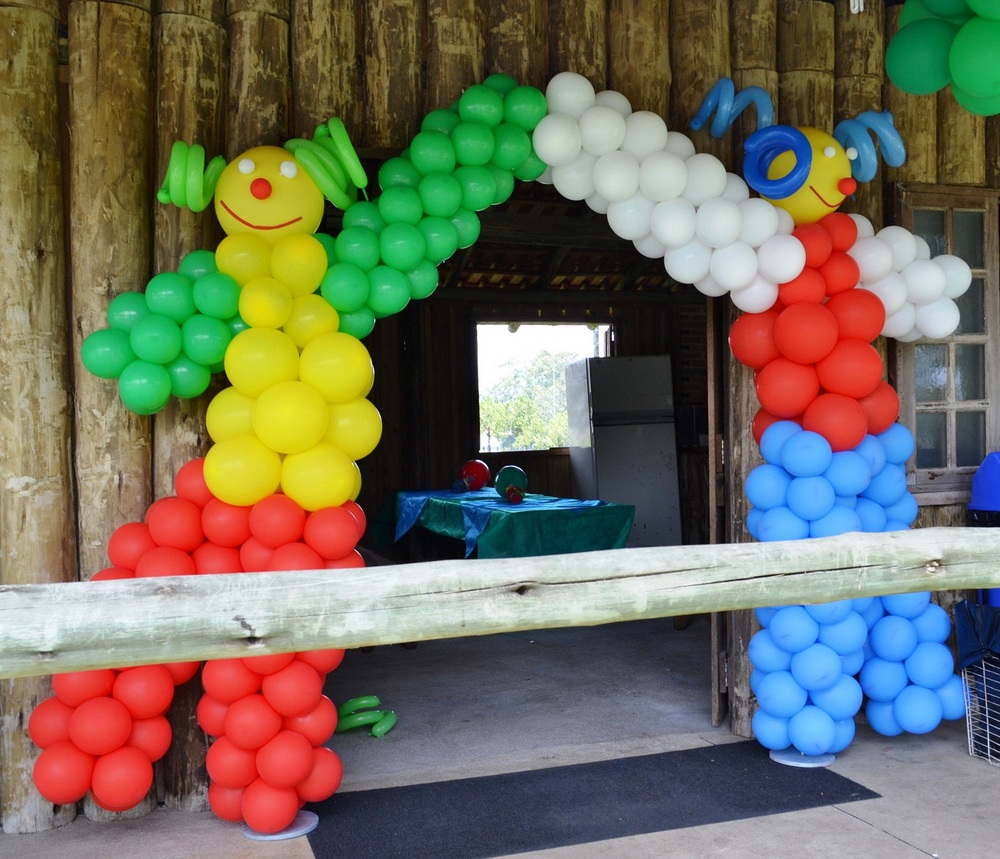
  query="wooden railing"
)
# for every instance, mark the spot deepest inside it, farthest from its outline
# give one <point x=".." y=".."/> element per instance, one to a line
<point x="46" y="629"/>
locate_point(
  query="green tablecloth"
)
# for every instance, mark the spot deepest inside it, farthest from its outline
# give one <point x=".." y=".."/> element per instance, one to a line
<point x="539" y="525"/>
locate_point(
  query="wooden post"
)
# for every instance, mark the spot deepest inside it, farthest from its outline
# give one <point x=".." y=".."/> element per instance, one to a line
<point x="961" y="141"/>
<point x="517" y="38"/>
<point x="578" y="39"/>
<point x="754" y="27"/>
<point x="454" y="50"/>
<point x="392" y="50"/>
<point x="805" y="63"/>
<point x="639" y="53"/>
<point x="36" y="510"/>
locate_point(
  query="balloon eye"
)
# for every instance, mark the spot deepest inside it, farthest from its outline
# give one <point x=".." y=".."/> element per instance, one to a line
<point x="852" y="153"/>
<point x="829" y="152"/>
<point x="289" y="169"/>
<point x="246" y="166"/>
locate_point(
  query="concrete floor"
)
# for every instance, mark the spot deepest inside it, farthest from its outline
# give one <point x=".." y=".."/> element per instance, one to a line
<point x="480" y="706"/>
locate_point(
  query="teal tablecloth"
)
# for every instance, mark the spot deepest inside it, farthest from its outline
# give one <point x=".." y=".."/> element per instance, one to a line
<point x="539" y="525"/>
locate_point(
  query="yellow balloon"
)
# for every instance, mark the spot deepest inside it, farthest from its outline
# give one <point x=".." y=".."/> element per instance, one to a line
<point x="312" y="315"/>
<point x="355" y="427"/>
<point x="260" y="357"/>
<point x="299" y="261"/>
<point x="265" y="303"/>
<point x="242" y="470"/>
<point x="322" y="476"/>
<point x="243" y="257"/>
<point x="357" y="482"/>
<point x="338" y="366"/>
<point x="229" y="415"/>
<point x="290" y="417"/>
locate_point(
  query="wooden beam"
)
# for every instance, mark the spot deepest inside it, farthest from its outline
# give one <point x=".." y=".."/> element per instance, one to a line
<point x="55" y="628"/>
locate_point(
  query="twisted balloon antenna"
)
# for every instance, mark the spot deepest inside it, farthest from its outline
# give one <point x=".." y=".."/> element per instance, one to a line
<point x="853" y="134"/>
<point x="728" y="105"/>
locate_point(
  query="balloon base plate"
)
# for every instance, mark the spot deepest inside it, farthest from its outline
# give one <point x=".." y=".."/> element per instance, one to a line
<point x="793" y="758"/>
<point x="304" y="823"/>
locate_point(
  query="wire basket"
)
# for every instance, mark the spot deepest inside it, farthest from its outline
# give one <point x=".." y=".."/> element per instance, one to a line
<point x="982" y="708"/>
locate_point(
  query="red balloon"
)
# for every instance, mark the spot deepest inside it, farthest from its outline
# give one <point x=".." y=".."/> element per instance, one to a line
<point x="325" y="778"/>
<point x="128" y="543"/>
<point x="805" y="333"/>
<point x="225" y="524"/>
<point x="212" y="559"/>
<point x="853" y="368"/>
<point x="254" y="555"/>
<point x="882" y="408"/>
<point x="100" y="726"/>
<point x="816" y="241"/>
<point x="761" y="421"/>
<point x="269" y="809"/>
<point x="860" y="314"/>
<point x="808" y="288"/>
<point x="211" y="715"/>
<point x="268" y="664"/>
<point x="190" y="482"/>
<point x="49" y="723"/>
<point x="293" y="556"/>
<point x="839" y="419"/>
<point x="276" y="520"/>
<point x="475" y="474"/>
<point x="324" y="661"/>
<point x="355" y="510"/>
<point x="62" y="773"/>
<point x="785" y="388"/>
<point x="146" y="690"/>
<point x="165" y="561"/>
<point x="226" y="802"/>
<point x="75" y="687"/>
<point x="331" y="531"/>
<point x="840" y="272"/>
<point x="251" y="722"/>
<point x="121" y="779"/>
<point x="181" y="672"/>
<point x="228" y="680"/>
<point x="151" y="737"/>
<point x="318" y="725"/>
<point x="352" y="560"/>
<point x="174" y="521"/>
<point x="285" y="760"/>
<point x="229" y="765"/>
<point x="111" y="573"/>
<point x="842" y="229"/>
<point x="294" y="690"/>
<point x="751" y="338"/>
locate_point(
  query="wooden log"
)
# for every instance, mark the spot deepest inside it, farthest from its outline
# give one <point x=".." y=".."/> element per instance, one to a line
<point x="578" y="40"/>
<point x="36" y="514"/>
<point x="78" y="625"/>
<point x="805" y="63"/>
<point x="391" y="62"/>
<point x="639" y="53"/>
<point x="517" y="41"/>
<point x="754" y="27"/>
<point x="455" y="58"/>
<point x="961" y="141"/>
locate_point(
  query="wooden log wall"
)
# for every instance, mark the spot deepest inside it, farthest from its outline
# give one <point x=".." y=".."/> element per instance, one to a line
<point x="138" y="75"/>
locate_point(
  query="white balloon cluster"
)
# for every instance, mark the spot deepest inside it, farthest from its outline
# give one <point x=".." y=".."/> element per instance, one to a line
<point x="668" y="200"/>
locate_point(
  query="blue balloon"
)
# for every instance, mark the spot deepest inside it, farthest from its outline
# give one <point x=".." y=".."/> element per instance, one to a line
<point x="792" y="629"/>
<point x="810" y="497"/>
<point x="917" y="710"/>
<point x="881" y="720"/>
<point x="845" y="636"/>
<point x="895" y="525"/>
<point x="774" y="437"/>
<point x="893" y="638"/>
<point x="930" y="665"/>
<point x="764" y="614"/>
<point x="780" y="523"/>
<point x="904" y="510"/>
<point x="907" y="605"/>
<point x="872" y="612"/>
<point x="779" y="694"/>
<point x="872" y="516"/>
<point x="882" y="680"/>
<point x="753" y="522"/>
<point x="933" y="624"/>
<point x="952" y="696"/>
<point x="898" y="443"/>
<point x="817" y="667"/>
<point x="806" y="454"/>
<point x="840" y="520"/>
<point x="812" y="731"/>
<point x="766" y="655"/>
<point x="843" y="735"/>
<point x="770" y="731"/>
<point x="849" y="472"/>
<point x="842" y="700"/>
<point x="852" y="662"/>
<point x="861" y="604"/>
<point x="766" y="144"/>
<point x="755" y="677"/>
<point x="829" y="612"/>
<point x="872" y="450"/>
<point x="887" y="486"/>
<point x="848" y="501"/>
<point x="766" y="486"/>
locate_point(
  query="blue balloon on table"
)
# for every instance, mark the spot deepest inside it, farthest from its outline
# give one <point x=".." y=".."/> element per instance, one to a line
<point x="952" y="696"/>
<point x="770" y="731"/>
<point x="930" y="665"/>
<point x="882" y="679"/>
<point x="880" y="718"/>
<point x="842" y="700"/>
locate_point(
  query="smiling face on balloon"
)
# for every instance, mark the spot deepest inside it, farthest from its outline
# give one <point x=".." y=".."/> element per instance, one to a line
<point x="828" y="183"/>
<point x="265" y="192"/>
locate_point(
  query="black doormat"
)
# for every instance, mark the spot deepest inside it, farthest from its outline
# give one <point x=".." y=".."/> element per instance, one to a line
<point x="475" y="818"/>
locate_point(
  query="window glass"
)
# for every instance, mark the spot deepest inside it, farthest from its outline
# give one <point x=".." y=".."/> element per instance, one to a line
<point x="970" y="438"/>
<point x="967" y="240"/>
<point x="931" y="371"/>
<point x="970" y="372"/>
<point x="972" y="310"/>
<point x="930" y="440"/>
<point x="931" y="226"/>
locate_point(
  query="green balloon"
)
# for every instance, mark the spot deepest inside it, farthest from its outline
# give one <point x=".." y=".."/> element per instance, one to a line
<point x="197" y="263"/>
<point x="985" y="8"/>
<point x="916" y="59"/>
<point x="106" y="352"/>
<point x="501" y="82"/>
<point x="357" y="246"/>
<point x="440" y="238"/>
<point x="481" y="103"/>
<point x="400" y="205"/>
<point x="216" y="294"/>
<point x="364" y="213"/>
<point x="473" y="141"/>
<point x="530" y="169"/>
<point x="358" y="323"/>
<point x="947" y="8"/>
<point x="978" y="106"/>
<point x="479" y="187"/>
<point x="144" y="388"/>
<point x="126" y="309"/>
<point x="525" y="107"/>
<point x="443" y="119"/>
<point x="505" y="183"/>
<point x="467" y="225"/>
<point x="236" y="324"/>
<point x="171" y="294"/>
<point x="205" y="339"/>
<point x="389" y="292"/>
<point x="440" y="193"/>
<point x="327" y="241"/>
<point x="402" y="246"/>
<point x="423" y="279"/>
<point x="156" y="338"/>
<point x="975" y="58"/>
<point x="345" y="287"/>
<point x="188" y="378"/>
<point x="512" y="145"/>
<point x="432" y="151"/>
<point x="398" y="171"/>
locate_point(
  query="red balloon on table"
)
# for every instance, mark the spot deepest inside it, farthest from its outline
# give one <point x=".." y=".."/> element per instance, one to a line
<point x="174" y="521"/>
<point x="181" y="672"/>
<point x="318" y="725"/>
<point x="121" y="779"/>
<point x="268" y="809"/>
<point x="62" y="773"/>
<point x="165" y="561"/>
<point x="229" y="765"/>
<point x="211" y="715"/>
<point x="785" y="388"/>
<point x="838" y="418"/>
<point x="293" y="556"/>
<point x="213" y="559"/>
<point x="805" y="333"/>
<point x="225" y="524"/>
<point x="268" y="663"/>
<point x="294" y="690"/>
<point x="109" y="574"/>
<point x="324" y="660"/>
<point x="285" y="760"/>
<point x="751" y="339"/>
<point x="331" y="531"/>
<point x="226" y="802"/>
<point x="151" y="736"/>
<point x="276" y="520"/>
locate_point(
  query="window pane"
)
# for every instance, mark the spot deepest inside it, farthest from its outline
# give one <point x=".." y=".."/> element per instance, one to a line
<point x="970" y="372"/>
<point x="929" y="224"/>
<point x="930" y="440"/>
<point x="931" y="371"/>
<point x="970" y="438"/>
<point x="970" y="306"/>
<point x="967" y="238"/>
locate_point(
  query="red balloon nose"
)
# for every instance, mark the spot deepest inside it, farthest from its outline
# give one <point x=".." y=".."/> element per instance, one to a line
<point x="260" y="188"/>
<point x="847" y="187"/>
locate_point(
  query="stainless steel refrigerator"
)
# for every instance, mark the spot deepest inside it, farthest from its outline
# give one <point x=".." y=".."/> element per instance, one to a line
<point x="623" y="444"/>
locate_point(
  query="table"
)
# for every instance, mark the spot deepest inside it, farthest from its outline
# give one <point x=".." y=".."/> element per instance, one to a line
<point x="539" y="525"/>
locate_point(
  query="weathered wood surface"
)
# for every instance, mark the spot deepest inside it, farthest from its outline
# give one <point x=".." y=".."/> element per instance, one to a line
<point x="56" y="628"/>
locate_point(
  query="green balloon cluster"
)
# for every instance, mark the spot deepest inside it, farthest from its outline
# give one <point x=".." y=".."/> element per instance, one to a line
<point x="170" y="339"/>
<point x="942" y="42"/>
<point x="464" y="159"/>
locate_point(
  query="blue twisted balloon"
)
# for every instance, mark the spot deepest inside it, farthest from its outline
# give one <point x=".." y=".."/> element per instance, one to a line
<point x="766" y="144"/>
<point x="853" y="133"/>
<point x="728" y="105"/>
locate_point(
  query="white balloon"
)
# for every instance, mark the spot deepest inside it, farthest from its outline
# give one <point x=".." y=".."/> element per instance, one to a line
<point x="616" y="175"/>
<point x="718" y="222"/>
<point x="575" y="181"/>
<point x="734" y="266"/>
<point x="903" y="244"/>
<point x="873" y="256"/>
<point x="865" y="228"/>
<point x="650" y="246"/>
<point x="706" y="178"/>
<point x="630" y="218"/>
<point x="785" y="223"/>
<point x="610" y="98"/>
<point x="900" y="322"/>
<point x="557" y="139"/>
<point x="546" y="177"/>
<point x="957" y="274"/>
<point x="662" y="176"/>
<point x="708" y="286"/>
<point x="688" y="264"/>
<point x="939" y="319"/>
<point x="673" y="222"/>
<point x="781" y="258"/>
<point x="891" y="291"/>
<point x="760" y="221"/>
<point x="923" y="249"/>
<point x="602" y="129"/>
<point x="757" y="297"/>
<point x="679" y="144"/>
<point x="924" y="281"/>
<point x="598" y="204"/>
<point x="910" y="336"/>
<point x="736" y="189"/>
<point x="569" y="93"/>
<point x="645" y="133"/>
